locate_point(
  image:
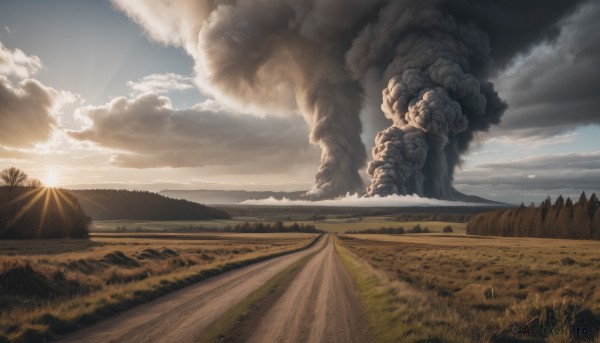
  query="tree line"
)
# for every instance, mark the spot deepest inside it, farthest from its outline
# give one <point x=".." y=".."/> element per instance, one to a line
<point x="433" y="217"/>
<point x="112" y="204"/>
<point x="393" y="230"/>
<point x="279" y="226"/>
<point x="561" y="219"/>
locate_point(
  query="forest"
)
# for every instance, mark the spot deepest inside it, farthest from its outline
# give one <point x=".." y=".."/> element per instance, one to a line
<point x="110" y="204"/>
<point x="561" y="219"/>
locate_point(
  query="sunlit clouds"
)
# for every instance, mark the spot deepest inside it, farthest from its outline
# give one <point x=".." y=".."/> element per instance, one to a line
<point x="18" y="64"/>
<point x="161" y="83"/>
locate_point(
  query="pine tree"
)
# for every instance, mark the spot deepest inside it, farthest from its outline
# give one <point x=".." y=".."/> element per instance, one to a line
<point x="559" y="203"/>
<point x="582" y="199"/>
<point x="569" y="202"/>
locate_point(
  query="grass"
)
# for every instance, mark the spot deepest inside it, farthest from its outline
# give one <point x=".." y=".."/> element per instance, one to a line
<point x="466" y="289"/>
<point x="396" y="312"/>
<point x="79" y="282"/>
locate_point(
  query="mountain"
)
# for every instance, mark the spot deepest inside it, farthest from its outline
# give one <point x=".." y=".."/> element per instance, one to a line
<point x="109" y="204"/>
<point x="219" y="197"/>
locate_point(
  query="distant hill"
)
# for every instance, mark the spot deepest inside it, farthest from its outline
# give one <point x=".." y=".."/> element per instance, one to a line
<point x="108" y="204"/>
<point x="219" y="197"/>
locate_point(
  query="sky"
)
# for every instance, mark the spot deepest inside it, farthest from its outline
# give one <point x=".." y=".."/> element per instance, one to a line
<point x="128" y="94"/>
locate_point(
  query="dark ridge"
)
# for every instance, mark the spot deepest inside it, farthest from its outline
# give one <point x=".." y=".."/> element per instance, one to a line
<point x="109" y="204"/>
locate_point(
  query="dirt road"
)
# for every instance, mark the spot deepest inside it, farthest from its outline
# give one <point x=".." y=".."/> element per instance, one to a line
<point x="318" y="306"/>
<point x="181" y="316"/>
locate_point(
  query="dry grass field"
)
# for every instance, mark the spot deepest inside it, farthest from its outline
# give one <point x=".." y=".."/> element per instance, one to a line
<point x="458" y="288"/>
<point x="54" y="286"/>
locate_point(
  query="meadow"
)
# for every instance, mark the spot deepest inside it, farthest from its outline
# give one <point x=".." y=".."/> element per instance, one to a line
<point x="49" y="287"/>
<point x="458" y="288"/>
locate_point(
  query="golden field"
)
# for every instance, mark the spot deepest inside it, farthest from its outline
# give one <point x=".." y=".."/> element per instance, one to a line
<point x="457" y="288"/>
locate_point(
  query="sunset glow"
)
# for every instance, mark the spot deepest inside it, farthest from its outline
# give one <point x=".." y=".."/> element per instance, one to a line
<point x="52" y="178"/>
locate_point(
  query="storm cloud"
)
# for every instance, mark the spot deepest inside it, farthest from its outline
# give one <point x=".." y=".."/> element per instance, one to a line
<point x="554" y="87"/>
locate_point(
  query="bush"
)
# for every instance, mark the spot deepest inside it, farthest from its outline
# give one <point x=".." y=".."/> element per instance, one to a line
<point x="448" y="229"/>
<point x="416" y="229"/>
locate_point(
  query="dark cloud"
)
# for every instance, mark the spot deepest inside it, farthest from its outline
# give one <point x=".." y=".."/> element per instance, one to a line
<point x="147" y="132"/>
<point x="513" y="26"/>
<point x="535" y="177"/>
<point x="555" y="86"/>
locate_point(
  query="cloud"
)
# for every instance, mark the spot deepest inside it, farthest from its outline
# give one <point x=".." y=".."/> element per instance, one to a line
<point x="146" y="132"/>
<point x="356" y="201"/>
<point x="527" y="178"/>
<point x="16" y="63"/>
<point x="554" y="87"/>
<point x="28" y="109"/>
<point x="28" y="112"/>
<point x="161" y="83"/>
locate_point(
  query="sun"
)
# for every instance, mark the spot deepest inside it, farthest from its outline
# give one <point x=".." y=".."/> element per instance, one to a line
<point x="52" y="178"/>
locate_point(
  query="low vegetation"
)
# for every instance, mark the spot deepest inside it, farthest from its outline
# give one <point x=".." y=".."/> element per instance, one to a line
<point x="469" y="289"/>
<point x="51" y="287"/>
<point x="563" y="219"/>
<point x="110" y="204"/>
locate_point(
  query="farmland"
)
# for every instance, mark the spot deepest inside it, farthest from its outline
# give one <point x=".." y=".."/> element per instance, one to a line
<point x="471" y="288"/>
<point x="53" y="286"/>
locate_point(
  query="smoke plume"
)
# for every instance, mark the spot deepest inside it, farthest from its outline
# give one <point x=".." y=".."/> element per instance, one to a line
<point x="320" y="58"/>
<point x="436" y="97"/>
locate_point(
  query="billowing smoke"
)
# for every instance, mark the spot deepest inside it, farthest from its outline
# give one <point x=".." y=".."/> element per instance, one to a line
<point x="320" y="58"/>
<point x="436" y="97"/>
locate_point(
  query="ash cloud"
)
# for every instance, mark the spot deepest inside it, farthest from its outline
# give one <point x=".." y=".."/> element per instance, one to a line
<point x="432" y="58"/>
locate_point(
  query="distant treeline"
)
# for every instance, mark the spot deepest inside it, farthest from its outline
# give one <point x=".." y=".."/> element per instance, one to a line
<point x="110" y="204"/>
<point x="563" y="219"/>
<point x="433" y="217"/>
<point x="394" y="231"/>
<point x="28" y="212"/>
<point x="260" y="227"/>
